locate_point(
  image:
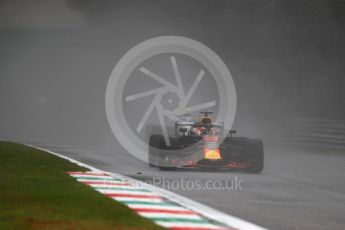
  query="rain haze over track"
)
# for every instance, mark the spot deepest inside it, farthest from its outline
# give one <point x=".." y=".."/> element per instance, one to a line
<point x="287" y="59"/>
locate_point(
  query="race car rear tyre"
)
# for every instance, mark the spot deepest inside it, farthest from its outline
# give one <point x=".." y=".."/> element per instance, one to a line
<point x="255" y="155"/>
<point x="247" y="150"/>
<point x="154" y="145"/>
<point x="160" y="154"/>
<point x="167" y="168"/>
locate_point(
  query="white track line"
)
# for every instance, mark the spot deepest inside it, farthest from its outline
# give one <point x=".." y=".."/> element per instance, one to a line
<point x="209" y="212"/>
<point x="188" y="225"/>
<point x="175" y="208"/>
<point x="80" y="177"/>
<point x="169" y="215"/>
<point x="107" y="191"/>
<point x="137" y="199"/>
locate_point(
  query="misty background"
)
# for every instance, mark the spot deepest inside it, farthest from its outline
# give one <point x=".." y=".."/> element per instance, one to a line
<point x="287" y="59"/>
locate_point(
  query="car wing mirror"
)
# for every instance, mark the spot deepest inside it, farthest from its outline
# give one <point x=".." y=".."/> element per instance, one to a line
<point x="232" y="132"/>
<point x="183" y="130"/>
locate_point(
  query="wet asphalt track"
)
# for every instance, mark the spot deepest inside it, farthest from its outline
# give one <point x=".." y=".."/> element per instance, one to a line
<point x="287" y="61"/>
<point x="298" y="189"/>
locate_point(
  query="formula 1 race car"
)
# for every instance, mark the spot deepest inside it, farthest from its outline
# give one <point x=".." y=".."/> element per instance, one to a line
<point x="205" y="144"/>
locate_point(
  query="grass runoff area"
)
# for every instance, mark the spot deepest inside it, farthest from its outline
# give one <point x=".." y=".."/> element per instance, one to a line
<point x="36" y="193"/>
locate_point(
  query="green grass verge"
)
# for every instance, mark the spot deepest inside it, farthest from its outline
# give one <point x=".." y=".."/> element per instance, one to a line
<point x="36" y="193"/>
